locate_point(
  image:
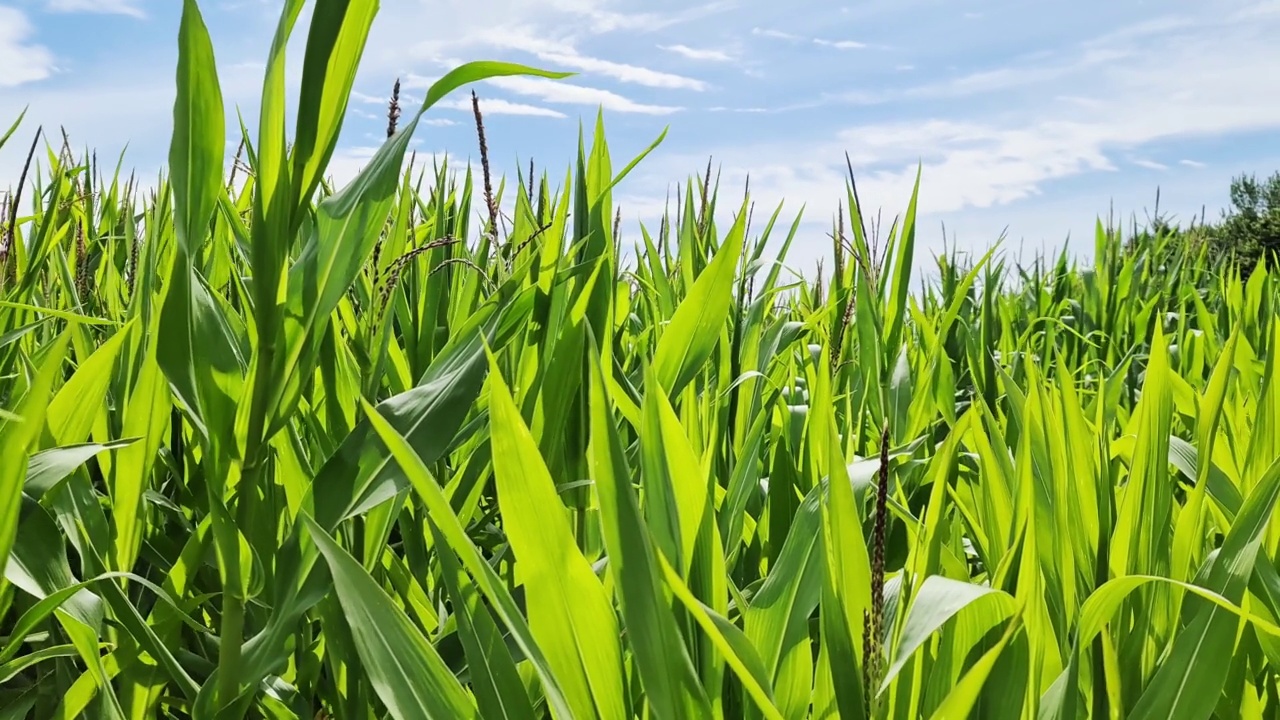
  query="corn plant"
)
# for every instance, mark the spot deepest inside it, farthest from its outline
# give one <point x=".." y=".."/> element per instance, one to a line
<point x="277" y="449"/>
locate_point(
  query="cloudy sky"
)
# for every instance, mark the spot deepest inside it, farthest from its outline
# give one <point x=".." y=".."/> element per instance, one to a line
<point x="1030" y="118"/>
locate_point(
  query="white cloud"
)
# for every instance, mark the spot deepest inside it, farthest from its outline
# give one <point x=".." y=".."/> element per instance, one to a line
<point x="22" y="60"/>
<point x="775" y="34"/>
<point x="1179" y="78"/>
<point x="347" y="162"/>
<point x="559" y="91"/>
<point x="608" y="21"/>
<point x="993" y="150"/>
<point x="561" y="55"/>
<point x="427" y="31"/>
<point x="988" y="137"/>
<point x="367" y="98"/>
<point x="414" y="81"/>
<point x="697" y="54"/>
<point x="840" y="44"/>
<point x="498" y="106"/>
<point x="110" y="7"/>
<point x="792" y="37"/>
<point x="122" y="103"/>
<point x="622" y="71"/>
<point x="525" y="39"/>
<point x="415" y="43"/>
<point x="103" y="119"/>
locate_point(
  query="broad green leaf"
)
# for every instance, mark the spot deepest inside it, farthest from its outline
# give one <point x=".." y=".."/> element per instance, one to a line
<point x="74" y="409"/>
<point x="404" y="669"/>
<point x="676" y="492"/>
<point x="728" y="640"/>
<point x="343" y="235"/>
<point x="569" y="610"/>
<point x="145" y="417"/>
<point x="16" y="438"/>
<point x="197" y="356"/>
<point x="960" y="701"/>
<point x="777" y="620"/>
<point x="936" y="601"/>
<point x="690" y="337"/>
<point x="361" y="473"/>
<point x="486" y="578"/>
<point x="47" y="468"/>
<point x="495" y="680"/>
<point x="1189" y="680"/>
<point x="670" y="682"/>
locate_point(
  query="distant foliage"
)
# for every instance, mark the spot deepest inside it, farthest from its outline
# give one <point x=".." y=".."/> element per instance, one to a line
<point x="1250" y="229"/>
<point x="1247" y="232"/>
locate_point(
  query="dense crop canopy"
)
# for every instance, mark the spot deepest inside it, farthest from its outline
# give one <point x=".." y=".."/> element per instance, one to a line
<point x="273" y="449"/>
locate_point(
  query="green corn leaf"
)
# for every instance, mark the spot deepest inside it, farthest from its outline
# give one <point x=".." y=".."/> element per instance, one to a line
<point x="47" y="468"/>
<point x="938" y="600"/>
<point x="198" y="356"/>
<point x="16" y="437"/>
<point x="75" y="408"/>
<point x="343" y="236"/>
<point x="670" y="683"/>
<point x="1188" y="682"/>
<point x="676" y="492"/>
<point x="962" y="698"/>
<point x="495" y="680"/>
<point x="146" y="417"/>
<point x="689" y="339"/>
<point x="486" y="578"/>
<point x="729" y="641"/>
<point x="405" y="670"/>
<point x="569" y="611"/>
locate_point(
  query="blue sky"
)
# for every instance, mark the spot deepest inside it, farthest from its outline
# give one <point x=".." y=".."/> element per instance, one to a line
<point x="1034" y="117"/>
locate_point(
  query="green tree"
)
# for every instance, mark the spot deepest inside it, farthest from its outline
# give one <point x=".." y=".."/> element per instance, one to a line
<point x="1250" y="228"/>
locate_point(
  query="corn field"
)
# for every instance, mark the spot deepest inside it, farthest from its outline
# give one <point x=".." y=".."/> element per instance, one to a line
<point x="275" y="449"/>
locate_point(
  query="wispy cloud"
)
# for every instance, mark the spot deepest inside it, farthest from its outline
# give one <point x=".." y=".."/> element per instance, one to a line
<point x="603" y="21"/>
<point x="23" y="60"/>
<point x="1086" y="108"/>
<point x="427" y="32"/>
<point x="775" y="34"/>
<point x="1000" y="116"/>
<point x="994" y="80"/>
<point x="562" y="55"/>
<point x="109" y="7"/>
<point x="840" y="44"/>
<point x="414" y="81"/>
<point x="559" y="91"/>
<point x="697" y="54"/>
<point x="622" y="71"/>
<point x="792" y="37"/>
<point x="367" y="98"/>
<point x="498" y="106"/>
